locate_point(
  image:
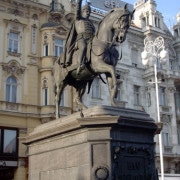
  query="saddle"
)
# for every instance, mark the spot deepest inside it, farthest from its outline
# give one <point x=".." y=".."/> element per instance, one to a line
<point x="110" y="53"/>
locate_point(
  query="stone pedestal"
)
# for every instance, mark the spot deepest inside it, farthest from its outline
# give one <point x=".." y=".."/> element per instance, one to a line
<point x="107" y="143"/>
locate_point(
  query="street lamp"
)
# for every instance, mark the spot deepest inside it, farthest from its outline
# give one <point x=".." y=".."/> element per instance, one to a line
<point x="155" y="51"/>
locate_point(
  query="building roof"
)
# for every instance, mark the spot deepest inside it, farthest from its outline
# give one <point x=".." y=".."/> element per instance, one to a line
<point x="108" y="5"/>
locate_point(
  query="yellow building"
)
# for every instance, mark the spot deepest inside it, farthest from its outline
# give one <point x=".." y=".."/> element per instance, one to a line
<point x="32" y="34"/>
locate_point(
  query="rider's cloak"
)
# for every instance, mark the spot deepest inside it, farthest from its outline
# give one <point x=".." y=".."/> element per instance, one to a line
<point x="69" y="45"/>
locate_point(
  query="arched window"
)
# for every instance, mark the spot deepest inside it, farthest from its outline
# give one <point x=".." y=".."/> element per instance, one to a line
<point x="11" y="89"/>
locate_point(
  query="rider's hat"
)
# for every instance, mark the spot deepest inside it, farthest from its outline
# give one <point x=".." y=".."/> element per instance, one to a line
<point x="87" y="6"/>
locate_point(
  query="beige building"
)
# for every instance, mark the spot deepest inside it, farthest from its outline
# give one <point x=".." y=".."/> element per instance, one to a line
<point x="33" y="34"/>
<point x="30" y="42"/>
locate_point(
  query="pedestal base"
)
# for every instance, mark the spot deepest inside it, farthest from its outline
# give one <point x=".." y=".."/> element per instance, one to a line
<point x="108" y="143"/>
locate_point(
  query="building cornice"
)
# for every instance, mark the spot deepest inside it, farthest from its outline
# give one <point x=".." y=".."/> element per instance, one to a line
<point x="27" y="4"/>
<point x="15" y="21"/>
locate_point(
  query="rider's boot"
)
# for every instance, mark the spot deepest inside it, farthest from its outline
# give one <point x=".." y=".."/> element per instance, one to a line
<point x="81" y="60"/>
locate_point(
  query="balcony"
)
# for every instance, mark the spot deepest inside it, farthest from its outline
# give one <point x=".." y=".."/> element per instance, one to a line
<point x="18" y="108"/>
<point x="149" y="72"/>
<point x="166" y="109"/>
<point x="168" y="149"/>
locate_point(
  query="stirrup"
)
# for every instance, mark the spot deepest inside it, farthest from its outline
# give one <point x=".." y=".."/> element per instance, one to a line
<point x="81" y="67"/>
<point x="78" y="69"/>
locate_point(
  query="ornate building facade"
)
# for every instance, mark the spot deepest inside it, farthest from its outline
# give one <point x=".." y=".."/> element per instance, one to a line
<point x="33" y="34"/>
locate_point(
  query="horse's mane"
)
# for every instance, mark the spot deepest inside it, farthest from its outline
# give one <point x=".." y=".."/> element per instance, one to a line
<point x="107" y="15"/>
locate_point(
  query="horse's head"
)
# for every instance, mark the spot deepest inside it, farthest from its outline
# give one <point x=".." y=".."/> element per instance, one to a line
<point x="121" y="23"/>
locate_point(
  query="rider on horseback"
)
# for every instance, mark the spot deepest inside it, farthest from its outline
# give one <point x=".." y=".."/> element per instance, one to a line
<point x="111" y="30"/>
<point x="80" y="35"/>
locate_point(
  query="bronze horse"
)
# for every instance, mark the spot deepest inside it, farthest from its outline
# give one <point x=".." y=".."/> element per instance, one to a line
<point x="111" y="30"/>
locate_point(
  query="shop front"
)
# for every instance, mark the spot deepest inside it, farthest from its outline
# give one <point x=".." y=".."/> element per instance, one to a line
<point x="8" y="152"/>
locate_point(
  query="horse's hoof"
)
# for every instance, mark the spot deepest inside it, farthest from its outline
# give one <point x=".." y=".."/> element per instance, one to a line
<point x="83" y="107"/>
<point x="114" y="104"/>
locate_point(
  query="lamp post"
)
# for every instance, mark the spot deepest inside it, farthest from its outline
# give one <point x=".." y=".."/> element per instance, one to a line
<point x="155" y="51"/>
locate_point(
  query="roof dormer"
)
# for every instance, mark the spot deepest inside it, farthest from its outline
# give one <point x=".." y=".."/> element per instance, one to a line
<point x="146" y="15"/>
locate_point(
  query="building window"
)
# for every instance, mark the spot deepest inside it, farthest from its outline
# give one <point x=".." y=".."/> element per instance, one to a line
<point x="147" y="20"/>
<point x="9" y="145"/>
<point x="8" y="142"/>
<point x="136" y="95"/>
<point x="13" y="42"/>
<point x="176" y="34"/>
<point x="62" y="99"/>
<point x="118" y="95"/>
<point x="58" y="47"/>
<point x="11" y="89"/>
<point x="166" y="134"/>
<point x="172" y="64"/>
<point x="134" y="57"/>
<point x="157" y="22"/>
<point x="177" y="101"/>
<point x="162" y="96"/>
<point x="96" y="88"/>
<point x="165" y="137"/>
<point x="45" y="96"/>
<point x="159" y="65"/>
<point x="178" y="133"/>
<point x="46" y="50"/>
<point x="149" y="99"/>
<point x="34" y="39"/>
<point x="143" y="22"/>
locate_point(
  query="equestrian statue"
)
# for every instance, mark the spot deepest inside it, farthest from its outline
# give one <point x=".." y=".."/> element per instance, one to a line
<point x="89" y="53"/>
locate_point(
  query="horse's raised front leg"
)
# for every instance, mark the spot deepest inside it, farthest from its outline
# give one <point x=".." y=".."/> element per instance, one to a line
<point x="112" y="90"/>
<point x="111" y="78"/>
